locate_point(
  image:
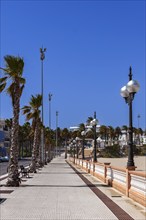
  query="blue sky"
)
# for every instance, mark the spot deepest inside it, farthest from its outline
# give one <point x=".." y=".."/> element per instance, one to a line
<point x="90" y="47"/>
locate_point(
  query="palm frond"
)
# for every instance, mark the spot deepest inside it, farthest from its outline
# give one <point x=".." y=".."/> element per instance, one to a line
<point x="11" y="90"/>
<point x="3" y="79"/>
<point x="29" y="116"/>
<point x="2" y="86"/>
<point x="14" y="65"/>
<point x="1" y="68"/>
<point x="82" y="127"/>
<point x="36" y="101"/>
<point x="21" y="89"/>
<point x="26" y="110"/>
<point x="32" y="111"/>
<point x="22" y="80"/>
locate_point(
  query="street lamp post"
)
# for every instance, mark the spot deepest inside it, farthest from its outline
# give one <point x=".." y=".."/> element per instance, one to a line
<point x="65" y="148"/>
<point x="56" y="133"/>
<point x="74" y="145"/>
<point x="77" y="147"/>
<point x="138" y="116"/>
<point x="93" y="124"/>
<point x="42" y="57"/>
<point x="128" y="92"/>
<point x="50" y="97"/>
<point x="83" y="133"/>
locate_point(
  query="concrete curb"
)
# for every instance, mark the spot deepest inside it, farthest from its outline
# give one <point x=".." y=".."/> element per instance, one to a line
<point x="3" y="177"/>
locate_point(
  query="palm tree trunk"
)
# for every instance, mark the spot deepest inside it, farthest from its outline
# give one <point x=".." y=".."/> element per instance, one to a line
<point x="39" y="149"/>
<point x="34" y="150"/>
<point x="13" y="173"/>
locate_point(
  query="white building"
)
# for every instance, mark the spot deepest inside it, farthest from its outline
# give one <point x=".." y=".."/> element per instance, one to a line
<point x="4" y="134"/>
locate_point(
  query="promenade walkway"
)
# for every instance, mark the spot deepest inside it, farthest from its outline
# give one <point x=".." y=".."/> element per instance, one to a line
<point x="58" y="192"/>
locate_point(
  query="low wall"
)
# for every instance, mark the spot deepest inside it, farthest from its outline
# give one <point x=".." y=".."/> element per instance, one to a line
<point x="130" y="183"/>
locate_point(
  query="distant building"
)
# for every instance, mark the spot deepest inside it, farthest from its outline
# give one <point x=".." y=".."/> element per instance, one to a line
<point x="143" y="139"/>
<point x="74" y="128"/>
<point x="122" y="139"/>
<point x="88" y="127"/>
<point x="4" y="137"/>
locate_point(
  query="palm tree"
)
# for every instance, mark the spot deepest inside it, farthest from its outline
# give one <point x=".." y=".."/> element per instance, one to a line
<point x="25" y="139"/>
<point x="110" y="131"/>
<point x="117" y="132"/>
<point x="39" y="146"/>
<point x="103" y="132"/>
<point x="8" y="123"/>
<point x="49" y="143"/>
<point x="13" y="84"/>
<point x="32" y="111"/>
<point x="81" y="128"/>
<point x="124" y="127"/>
<point x="65" y="134"/>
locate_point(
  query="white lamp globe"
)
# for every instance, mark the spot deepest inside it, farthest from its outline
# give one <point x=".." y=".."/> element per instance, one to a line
<point x="94" y="122"/>
<point x="133" y="86"/>
<point x="124" y="92"/>
<point x="83" y="133"/>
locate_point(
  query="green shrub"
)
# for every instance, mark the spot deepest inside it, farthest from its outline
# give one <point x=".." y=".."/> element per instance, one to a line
<point x="112" y="151"/>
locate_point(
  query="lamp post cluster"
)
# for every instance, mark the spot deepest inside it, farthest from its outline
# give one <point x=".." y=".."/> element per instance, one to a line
<point x="72" y="146"/>
<point x="93" y="123"/>
<point x="128" y="92"/>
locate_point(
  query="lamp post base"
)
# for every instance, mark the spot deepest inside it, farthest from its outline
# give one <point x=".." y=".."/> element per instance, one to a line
<point x="131" y="167"/>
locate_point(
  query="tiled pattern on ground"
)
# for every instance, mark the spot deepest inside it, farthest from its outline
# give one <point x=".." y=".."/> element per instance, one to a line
<point x="54" y="193"/>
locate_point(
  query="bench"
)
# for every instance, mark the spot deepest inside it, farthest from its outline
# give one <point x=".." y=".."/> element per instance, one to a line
<point x="24" y="171"/>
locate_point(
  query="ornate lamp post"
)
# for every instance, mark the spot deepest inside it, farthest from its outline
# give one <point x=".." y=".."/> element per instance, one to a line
<point x="50" y="97"/>
<point x="77" y="147"/>
<point x="56" y="133"/>
<point x="83" y="133"/>
<point x="93" y="124"/>
<point x="138" y="116"/>
<point x="42" y="57"/>
<point x="128" y="92"/>
<point x="74" y="145"/>
<point x="65" y="148"/>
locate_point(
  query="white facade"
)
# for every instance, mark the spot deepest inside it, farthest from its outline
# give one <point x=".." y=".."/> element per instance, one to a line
<point x="4" y="134"/>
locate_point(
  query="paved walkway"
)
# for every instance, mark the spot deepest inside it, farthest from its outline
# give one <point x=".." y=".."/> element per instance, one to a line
<point x="57" y="192"/>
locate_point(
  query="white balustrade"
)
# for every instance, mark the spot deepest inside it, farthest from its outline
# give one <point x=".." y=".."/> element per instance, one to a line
<point x="84" y="164"/>
<point x="126" y="180"/>
<point x="119" y="176"/>
<point x="99" y="169"/>
<point x="138" y="183"/>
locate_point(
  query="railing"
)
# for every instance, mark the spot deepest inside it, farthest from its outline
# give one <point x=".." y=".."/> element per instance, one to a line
<point x="137" y="189"/>
<point x="130" y="183"/>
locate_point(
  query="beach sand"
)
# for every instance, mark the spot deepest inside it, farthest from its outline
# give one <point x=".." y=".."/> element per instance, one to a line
<point x="140" y="162"/>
